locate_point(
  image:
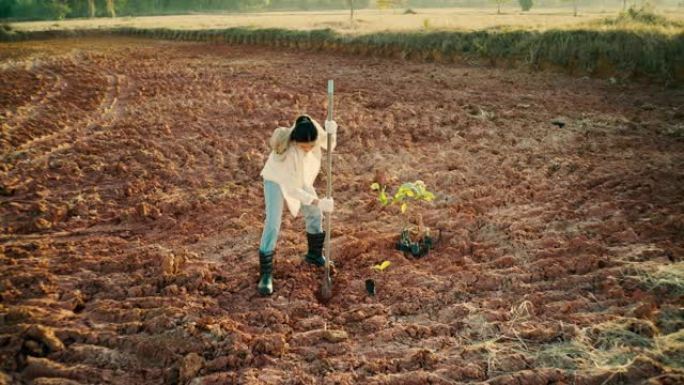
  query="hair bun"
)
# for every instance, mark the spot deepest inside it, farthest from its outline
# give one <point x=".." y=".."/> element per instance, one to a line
<point x="302" y="119"/>
<point x="304" y="130"/>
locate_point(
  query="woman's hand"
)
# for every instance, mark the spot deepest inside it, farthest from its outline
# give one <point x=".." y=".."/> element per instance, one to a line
<point x="326" y="205"/>
<point x="331" y="127"/>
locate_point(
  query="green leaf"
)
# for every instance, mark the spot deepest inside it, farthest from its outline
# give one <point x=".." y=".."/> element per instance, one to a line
<point x="375" y="186"/>
<point x="382" y="266"/>
<point x="383" y="198"/>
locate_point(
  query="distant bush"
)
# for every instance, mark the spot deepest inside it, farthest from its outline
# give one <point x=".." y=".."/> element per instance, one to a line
<point x="642" y="15"/>
<point x="526" y="5"/>
<point x="639" y="18"/>
<point x="6" y="32"/>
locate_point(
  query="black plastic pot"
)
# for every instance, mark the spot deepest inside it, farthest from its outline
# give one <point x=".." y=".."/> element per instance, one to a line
<point x="370" y="287"/>
<point x="417" y="249"/>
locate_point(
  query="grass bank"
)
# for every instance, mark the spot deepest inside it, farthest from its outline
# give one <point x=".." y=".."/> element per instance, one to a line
<point x="629" y="46"/>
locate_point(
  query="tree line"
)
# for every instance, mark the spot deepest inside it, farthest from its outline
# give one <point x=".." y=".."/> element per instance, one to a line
<point x="61" y="9"/>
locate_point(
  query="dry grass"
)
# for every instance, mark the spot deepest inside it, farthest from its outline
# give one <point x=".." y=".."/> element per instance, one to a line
<point x="366" y="21"/>
<point x="662" y="279"/>
<point x="613" y="346"/>
<point x="671" y="349"/>
<point x="522" y="312"/>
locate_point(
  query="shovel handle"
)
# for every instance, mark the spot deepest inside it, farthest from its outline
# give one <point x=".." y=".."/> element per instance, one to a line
<point x="328" y="217"/>
<point x="331" y="91"/>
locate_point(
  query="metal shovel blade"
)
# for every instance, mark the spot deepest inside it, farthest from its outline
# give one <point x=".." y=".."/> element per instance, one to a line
<point x="326" y="288"/>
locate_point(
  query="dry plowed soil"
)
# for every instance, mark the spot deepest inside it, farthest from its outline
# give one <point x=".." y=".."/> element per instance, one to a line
<point x="132" y="209"/>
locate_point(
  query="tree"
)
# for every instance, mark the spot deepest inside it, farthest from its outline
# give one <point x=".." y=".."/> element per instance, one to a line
<point x="354" y="4"/>
<point x="6" y="8"/>
<point x="110" y="8"/>
<point x="91" y="8"/>
<point x="498" y="5"/>
<point x="526" y="5"/>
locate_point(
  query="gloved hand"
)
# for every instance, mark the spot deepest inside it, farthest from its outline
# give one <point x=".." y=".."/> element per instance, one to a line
<point x="326" y="205"/>
<point x="331" y="127"/>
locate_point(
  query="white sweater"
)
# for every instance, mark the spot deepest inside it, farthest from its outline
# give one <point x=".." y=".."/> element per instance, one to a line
<point x="295" y="171"/>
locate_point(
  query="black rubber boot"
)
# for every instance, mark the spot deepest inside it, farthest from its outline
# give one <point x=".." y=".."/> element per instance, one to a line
<point x="265" y="286"/>
<point x="315" y="254"/>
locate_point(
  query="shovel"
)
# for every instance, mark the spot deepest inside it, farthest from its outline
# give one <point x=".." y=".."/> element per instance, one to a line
<point x="326" y="285"/>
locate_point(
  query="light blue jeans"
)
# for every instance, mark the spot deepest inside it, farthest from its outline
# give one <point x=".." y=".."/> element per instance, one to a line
<point x="274" y="215"/>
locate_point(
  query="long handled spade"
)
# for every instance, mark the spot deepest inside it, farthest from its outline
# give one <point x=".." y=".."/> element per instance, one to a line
<point x="326" y="285"/>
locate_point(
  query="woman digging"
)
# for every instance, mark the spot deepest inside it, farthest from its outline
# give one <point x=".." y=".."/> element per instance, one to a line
<point x="289" y="175"/>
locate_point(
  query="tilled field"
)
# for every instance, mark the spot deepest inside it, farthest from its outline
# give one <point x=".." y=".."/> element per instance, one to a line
<point x="132" y="208"/>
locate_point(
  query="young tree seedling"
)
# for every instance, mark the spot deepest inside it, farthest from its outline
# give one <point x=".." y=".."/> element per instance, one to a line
<point x="406" y="195"/>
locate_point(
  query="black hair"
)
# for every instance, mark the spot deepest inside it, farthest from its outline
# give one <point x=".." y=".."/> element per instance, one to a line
<point x="304" y="130"/>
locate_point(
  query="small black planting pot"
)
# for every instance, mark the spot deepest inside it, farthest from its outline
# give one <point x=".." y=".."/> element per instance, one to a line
<point x="370" y="287"/>
<point x="417" y="249"/>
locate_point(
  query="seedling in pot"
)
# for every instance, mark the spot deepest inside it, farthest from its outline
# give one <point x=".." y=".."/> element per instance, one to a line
<point x="407" y="194"/>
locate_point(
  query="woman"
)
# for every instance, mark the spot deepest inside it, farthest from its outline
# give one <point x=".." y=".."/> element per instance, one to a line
<point x="289" y="175"/>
